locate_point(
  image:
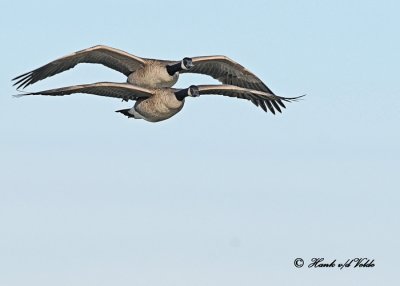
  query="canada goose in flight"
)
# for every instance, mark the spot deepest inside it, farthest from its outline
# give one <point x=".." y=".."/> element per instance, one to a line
<point x="150" y="73"/>
<point x="143" y="72"/>
<point x="159" y="104"/>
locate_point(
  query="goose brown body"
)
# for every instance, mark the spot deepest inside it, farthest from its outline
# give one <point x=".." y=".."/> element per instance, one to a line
<point x="153" y="75"/>
<point x="161" y="106"/>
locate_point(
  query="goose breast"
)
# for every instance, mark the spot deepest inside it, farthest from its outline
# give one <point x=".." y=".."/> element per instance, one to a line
<point x="153" y="75"/>
<point x="161" y="106"/>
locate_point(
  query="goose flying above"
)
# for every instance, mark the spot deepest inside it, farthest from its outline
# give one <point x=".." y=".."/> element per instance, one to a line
<point x="151" y="73"/>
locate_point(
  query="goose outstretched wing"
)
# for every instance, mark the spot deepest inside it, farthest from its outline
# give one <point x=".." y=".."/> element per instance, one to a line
<point x="113" y="58"/>
<point x="124" y="91"/>
<point x="266" y="101"/>
<point x="227" y="71"/>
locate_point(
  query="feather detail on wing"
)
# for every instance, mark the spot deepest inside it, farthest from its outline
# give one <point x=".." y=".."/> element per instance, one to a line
<point x="124" y="91"/>
<point x="113" y="58"/>
<point x="265" y="100"/>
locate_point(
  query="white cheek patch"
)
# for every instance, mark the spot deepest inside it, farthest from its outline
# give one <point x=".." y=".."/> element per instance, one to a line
<point x="189" y="92"/>
<point x="183" y="66"/>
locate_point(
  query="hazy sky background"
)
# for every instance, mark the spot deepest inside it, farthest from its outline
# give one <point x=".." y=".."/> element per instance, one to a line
<point x="222" y="193"/>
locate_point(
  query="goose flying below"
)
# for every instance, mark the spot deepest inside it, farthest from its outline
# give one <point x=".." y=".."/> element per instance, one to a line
<point x="159" y="104"/>
<point x="150" y="73"/>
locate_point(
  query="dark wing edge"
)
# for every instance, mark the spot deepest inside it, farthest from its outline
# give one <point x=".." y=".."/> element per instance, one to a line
<point x="227" y="71"/>
<point x="110" y="57"/>
<point x="124" y="91"/>
<point x="264" y="100"/>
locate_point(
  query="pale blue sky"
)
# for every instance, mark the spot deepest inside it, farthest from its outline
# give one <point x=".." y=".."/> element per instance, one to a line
<point x="222" y="193"/>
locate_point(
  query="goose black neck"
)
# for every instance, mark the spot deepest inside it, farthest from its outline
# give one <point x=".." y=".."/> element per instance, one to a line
<point x="181" y="94"/>
<point x="172" y="69"/>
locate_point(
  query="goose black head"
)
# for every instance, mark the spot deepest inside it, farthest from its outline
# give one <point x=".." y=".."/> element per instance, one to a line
<point x="187" y="63"/>
<point x="184" y="64"/>
<point x="193" y="91"/>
